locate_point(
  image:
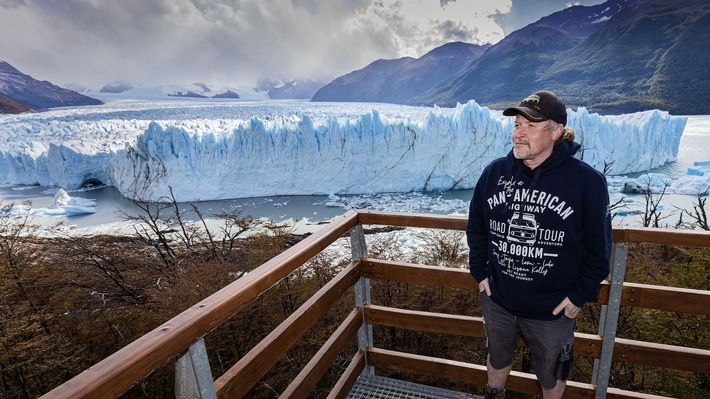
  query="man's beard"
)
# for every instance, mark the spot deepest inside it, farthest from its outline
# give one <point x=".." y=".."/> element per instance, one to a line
<point x="521" y="151"/>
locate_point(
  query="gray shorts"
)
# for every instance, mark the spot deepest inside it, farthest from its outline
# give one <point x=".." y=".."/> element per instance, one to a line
<point x="551" y="342"/>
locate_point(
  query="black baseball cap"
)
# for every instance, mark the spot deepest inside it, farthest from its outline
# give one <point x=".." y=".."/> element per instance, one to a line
<point x="541" y="106"/>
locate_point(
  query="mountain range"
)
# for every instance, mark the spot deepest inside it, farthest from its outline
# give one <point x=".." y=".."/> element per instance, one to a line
<point x="620" y="56"/>
<point x="20" y="92"/>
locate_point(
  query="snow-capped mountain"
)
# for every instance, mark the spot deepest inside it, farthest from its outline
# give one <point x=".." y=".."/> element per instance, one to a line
<point x="175" y="91"/>
<point x="281" y="88"/>
<point x="118" y="86"/>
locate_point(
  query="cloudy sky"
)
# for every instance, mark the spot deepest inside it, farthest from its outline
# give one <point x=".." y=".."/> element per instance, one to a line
<point x="236" y="42"/>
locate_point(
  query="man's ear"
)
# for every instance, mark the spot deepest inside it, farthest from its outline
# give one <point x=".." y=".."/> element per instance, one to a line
<point x="559" y="131"/>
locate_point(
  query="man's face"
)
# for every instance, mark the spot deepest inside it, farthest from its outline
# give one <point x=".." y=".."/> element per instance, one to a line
<point x="533" y="142"/>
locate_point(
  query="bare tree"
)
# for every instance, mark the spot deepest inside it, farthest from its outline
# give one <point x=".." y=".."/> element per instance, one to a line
<point x="235" y="225"/>
<point x="652" y="215"/>
<point x="163" y="225"/>
<point x="618" y="204"/>
<point x="153" y="228"/>
<point x="443" y="248"/>
<point x="26" y="322"/>
<point x="18" y="255"/>
<point x="699" y="213"/>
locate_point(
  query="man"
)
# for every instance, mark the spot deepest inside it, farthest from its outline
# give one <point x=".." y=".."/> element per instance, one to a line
<point x="539" y="234"/>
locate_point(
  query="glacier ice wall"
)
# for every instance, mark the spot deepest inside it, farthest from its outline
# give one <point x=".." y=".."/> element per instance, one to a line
<point x="303" y="153"/>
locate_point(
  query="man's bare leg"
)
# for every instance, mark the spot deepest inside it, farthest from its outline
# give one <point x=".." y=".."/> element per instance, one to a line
<point x="554" y="393"/>
<point x="497" y="378"/>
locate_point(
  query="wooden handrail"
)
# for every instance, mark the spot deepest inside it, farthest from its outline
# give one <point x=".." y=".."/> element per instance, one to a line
<point x="648" y="353"/>
<point x="306" y="380"/>
<point x="473" y="373"/>
<point x="119" y="372"/>
<point x="671" y="299"/>
<point x="649" y="235"/>
<point x="682" y="300"/>
<point x="241" y="377"/>
<point x="638" y="295"/>
<point x="421" y="220"/>
<point x="418" y="274"/>
<point x="424" y="321"/>
<point x="674" y="357"/>
<point x="347" y="380"/>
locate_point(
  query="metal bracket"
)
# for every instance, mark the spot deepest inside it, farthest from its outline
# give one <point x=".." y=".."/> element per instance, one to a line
<point x="362" y="293"/>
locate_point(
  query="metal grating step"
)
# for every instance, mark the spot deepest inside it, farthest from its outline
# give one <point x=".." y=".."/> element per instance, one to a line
<point x="376" y="387"/>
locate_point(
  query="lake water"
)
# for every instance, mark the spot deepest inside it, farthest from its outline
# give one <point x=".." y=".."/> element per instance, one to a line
<point x="694" y="147"/>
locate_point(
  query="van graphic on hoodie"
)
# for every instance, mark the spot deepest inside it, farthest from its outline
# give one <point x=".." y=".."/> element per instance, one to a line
<point x="522" y="228"/>
<point x="540" y="235"/>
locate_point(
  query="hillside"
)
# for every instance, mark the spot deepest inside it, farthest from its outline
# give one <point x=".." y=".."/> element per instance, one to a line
<point x="653" y="54"/>
<point x="649" y="54"/>
<point x="396" y="81"/>
<point x="363" y="84"/>
<point x="35" y="94"/>
<point x="8" y="106"/>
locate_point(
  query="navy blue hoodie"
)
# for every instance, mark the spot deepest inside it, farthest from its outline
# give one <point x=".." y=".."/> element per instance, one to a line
<point x="540" y="235"/>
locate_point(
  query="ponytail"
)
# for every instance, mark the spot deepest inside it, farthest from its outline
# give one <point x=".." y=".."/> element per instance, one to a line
<point x="568" y="134"/>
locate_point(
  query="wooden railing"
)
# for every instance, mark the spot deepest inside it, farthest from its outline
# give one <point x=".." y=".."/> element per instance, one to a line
<point x="181" y="338"/>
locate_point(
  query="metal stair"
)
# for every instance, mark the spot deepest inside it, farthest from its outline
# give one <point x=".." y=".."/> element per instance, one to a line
<point x="376" y="387"/>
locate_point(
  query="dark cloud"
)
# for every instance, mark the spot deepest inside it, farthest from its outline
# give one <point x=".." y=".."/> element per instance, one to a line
<point x="456" y="31"/>
<point x="524" y="12"/>
<point x="11" y="3"/>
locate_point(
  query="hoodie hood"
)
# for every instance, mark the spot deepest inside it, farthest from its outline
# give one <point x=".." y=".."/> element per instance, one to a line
<point x="562" y="152"/>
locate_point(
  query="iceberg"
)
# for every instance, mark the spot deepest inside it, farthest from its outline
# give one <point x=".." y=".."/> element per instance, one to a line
<point x="72" y="206"/>
<point x="695" y="182"/>
<point x="219" y="151"/>
<point x="65" y="205"/>
<point x="62" y="205"/>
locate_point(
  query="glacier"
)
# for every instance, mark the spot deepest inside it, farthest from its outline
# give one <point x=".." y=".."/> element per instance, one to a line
<point x="208" y="150"/>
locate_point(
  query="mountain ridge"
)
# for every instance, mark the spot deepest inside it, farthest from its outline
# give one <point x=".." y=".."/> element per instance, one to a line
<point x="397" y="80"/>
<point x="621" y="56"/>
